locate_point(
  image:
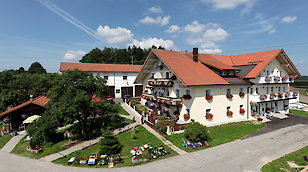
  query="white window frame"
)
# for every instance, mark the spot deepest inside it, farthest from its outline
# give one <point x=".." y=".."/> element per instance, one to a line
<point x="224" y="73"/>
<point x="257" y="90"/>
<point x="208" y="110"/>
<point x="187" y="90"/>
<point x="268" y="73"/>
<point x="284" y="89"/>
<point x="251" y="90"/>
<point x="227" y="91"/>
<point x="167" y="92"/>
<point x="272" y="90"/>
<point x="267" y="90"/>
<point x="168" y="75"/>
<point x="228" y="108"/>
<point x="240" y="90"/>
<point x="177" y="90"/>
<point x="210" y="90"/>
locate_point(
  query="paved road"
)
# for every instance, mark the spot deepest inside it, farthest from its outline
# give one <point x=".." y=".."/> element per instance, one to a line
<point x="241" y="155"/>
<point x="10" y="145"/>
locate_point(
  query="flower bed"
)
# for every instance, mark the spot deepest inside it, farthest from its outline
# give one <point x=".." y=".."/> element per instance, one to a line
<point x="279" y="95"/>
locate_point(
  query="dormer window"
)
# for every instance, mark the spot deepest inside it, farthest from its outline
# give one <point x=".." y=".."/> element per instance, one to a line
<point x="231" y="73"/>
<point x="224" y="73"/>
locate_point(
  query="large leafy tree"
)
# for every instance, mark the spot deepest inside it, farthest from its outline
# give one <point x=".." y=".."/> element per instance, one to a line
<point x="78" y="96"/>
<point x="36" y="67"/>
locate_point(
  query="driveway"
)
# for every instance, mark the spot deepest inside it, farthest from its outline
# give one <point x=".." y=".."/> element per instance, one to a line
<point x="249" y="154"/>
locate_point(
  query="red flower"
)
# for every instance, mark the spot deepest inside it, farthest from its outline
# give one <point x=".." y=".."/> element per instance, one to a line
<point x="242" y="110"/>
<point x="209" y="116"/>
<point x="229" y="113"/>
<point x="229" y="96"/>
<point x="209" y="97"/>
<point x="186" y="116"/>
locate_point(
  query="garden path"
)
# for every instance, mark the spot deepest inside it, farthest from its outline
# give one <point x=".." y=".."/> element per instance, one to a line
<point x="10" y="145"/>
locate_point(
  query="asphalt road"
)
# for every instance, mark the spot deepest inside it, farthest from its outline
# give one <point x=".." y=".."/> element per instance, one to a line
<point x="248" y="154"/>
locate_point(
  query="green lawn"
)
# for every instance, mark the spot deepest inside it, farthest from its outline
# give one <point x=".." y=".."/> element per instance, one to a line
<point x="22" y="145"/>
<point x="4" y="140"/>
<point x="221" y="134"/>
<point x="281" y="163"/>
<point x="121" y="110"/>
<point x="143" y="137"/>
<point x="298" y="112"/>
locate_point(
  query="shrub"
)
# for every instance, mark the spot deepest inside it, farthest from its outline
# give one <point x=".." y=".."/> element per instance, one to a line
<point x="196" y="132"/>
<point x="109" y="144"/>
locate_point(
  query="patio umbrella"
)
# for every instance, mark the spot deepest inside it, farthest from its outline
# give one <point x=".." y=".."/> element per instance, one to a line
<point x="31" y="119"/>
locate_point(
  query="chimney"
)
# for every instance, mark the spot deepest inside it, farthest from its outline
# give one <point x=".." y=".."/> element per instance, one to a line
<point x="195" y="54"/>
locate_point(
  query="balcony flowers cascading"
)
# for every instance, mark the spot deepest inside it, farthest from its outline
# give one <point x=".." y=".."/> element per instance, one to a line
<point x="285" y="78"/>
<point x="277" y="78"/>
<point x="229" y="96"/>
<point x="229" y="113"/>
<point x="178" y="103"/>
<point x="291" y="78"/>
<point x="279" y="95"/>
<point x="242" y="94"/>
<point x="268" y="78"/>
<point x="272" y="95"/>
<point x="263" y="97"/>
<point x="295" y="94"/>
<point x="209" y="97"/>
<point x="186" y="116"/>
<point x="209" y="116"/>
<point x="242" y="110"/>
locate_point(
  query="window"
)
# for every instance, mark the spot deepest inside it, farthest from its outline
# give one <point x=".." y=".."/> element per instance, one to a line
<point x="231" y="73"/>
<point x="187" y="92"/>
<point x="267" y="90"/>
<point x="251" y="90"/>
<point x="224" y="73"/>
<point x="228" y="108"/>
<point x="257" y="90"/>
<point x="177" y="92"/>
<point x="152" y="75"/>
<point x="268" y="73"/>
<point x="241" y="90"/>
<point x="272" y="89"/>
<point x="208" y="92"/>
<point x="188" y="110"/>
<point x="124" y="77"/>
<point x="241" y="106"/>
<point x="281" y="73"/>
<point x="229" y="91"/>
<point x="117" y="90"/>
<point x="208" y="110"/>
<point x="167" y="74"/>
<point x="167" y="92"/>
<point x="279" y="89"/>
<point x="106" y="78"/>
<point x="284" y="88"/>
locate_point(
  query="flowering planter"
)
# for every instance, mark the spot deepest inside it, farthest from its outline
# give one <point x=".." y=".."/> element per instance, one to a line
<point x="285" y="78"/>
<point x="272" y="96"/>
<point x="268" y="78"/>
<point x="263" y="97"/>
<point x="179" y="104"/>
<point x="291" y="78"/>
<point x="287" y="94"/>
<point x="295" y="94"/>
<point x="209" y="116"/>
<point x="186" y="97"/>
<point x="279" y="95"/>
<point x="229" y="96"/>
<point x="229" y="113"/>
<point x="242" y="94"/>
<point x="209" y="97"/>
<point x="186" y="116"/>
<point x="167" y="102"/>
<point x="242" y="110"/>
<point x="277" y="78"/>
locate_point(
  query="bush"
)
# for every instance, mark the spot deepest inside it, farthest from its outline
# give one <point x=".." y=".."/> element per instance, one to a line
<point x="109" y="144"/>
<point x="196" y="132"/>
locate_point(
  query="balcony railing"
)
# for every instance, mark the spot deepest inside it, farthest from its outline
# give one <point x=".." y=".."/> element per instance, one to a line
<point x="275" y="96"/>
<point x="176" y="101"/>
<point x="275" y="79"/>
<point x="161" y="82"/>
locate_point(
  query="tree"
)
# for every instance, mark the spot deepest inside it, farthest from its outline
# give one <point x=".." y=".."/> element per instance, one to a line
<point x="196" y="132"/>
<point x="109" y="144"/>
<point x="71" y="99"/>
<point x="21" y="70"/>
<point x="36" y="67"/>
<point x="94" y="56"/>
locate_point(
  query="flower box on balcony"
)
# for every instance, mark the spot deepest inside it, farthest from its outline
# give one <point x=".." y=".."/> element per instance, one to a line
<point x="277" y="78"/>
<point x="273" y="95"/>
<point x="229" y="96"/>
<point x="186" y="116"/>
<point x="287" y="94"/>
<point x="263" y="97"/>
<point x="186" y="97"/>
<point x="209" y="97"/>
<point x="285" y="78"/>
<point x="167" y="102"/>
<point x="291" y="78"/>
<point x="295" y="94"/>
<point x="279" y="95"/>
<point x="209" y="116"/>
<point x="242" y="110"/>
<point x="229" y="113"/>
<point x="242" y="94"/>
<point x="268" y="78"/>
<point x="179" y="104"/>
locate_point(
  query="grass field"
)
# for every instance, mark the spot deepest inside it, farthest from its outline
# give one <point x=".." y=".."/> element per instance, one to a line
<point x="22" y="145"/>
<point x="298" y="112"/>
<point x="121" y="110"/>
<point x="143" y="137"/>
<point x="4" y="140"/>
<point x="221" y="134"/>
<point x="280" y="165"/>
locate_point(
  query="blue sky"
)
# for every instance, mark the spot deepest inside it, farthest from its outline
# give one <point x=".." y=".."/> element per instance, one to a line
<point x="51" y="31"/>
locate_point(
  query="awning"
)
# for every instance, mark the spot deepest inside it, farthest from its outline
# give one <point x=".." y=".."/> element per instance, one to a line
<point x="31" y="119"/>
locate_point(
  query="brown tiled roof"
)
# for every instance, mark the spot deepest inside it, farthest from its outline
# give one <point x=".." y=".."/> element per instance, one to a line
<point x="188" y="71"/>
<point x="216" y="61"/>
<point x="41" y="101"/>
<point x="98" y="67"/>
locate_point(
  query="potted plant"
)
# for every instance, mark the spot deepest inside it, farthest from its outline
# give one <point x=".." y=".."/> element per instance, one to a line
<point x="242" y="94"/>
<point x="229" y="96"/>
<point x="229" y="113"/>
<point x="209" y="97"/>
<point x="186" y="116"/>
<point x="186" y="97"/>
<point x="291" y="78"/>
<point x="209" y="116"/>
<point x="242" y="110"/>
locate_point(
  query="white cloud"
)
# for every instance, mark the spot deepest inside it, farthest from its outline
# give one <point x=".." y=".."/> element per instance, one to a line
<point x="147" y="43"/>
<point x="262" y="25"/>
<point x="157" y="10"/>
<point x="194" y="27"/>
<point x="173" y="28"/>
<point x="158" y="20"/>
<point x="288" y="19"/>
<point x="272" y="31"/>
<point x="218" y="34"/>
<point x="74" y="55"/>
<point x="226" y="4"/>
<point x="117" y="36"/>
<point x="210" y="51"/>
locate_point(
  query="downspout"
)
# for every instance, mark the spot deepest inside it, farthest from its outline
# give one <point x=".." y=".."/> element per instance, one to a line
<point x="248" y="103"/>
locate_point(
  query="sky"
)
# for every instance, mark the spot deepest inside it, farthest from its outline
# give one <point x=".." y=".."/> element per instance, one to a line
<point x="53" y="31"/>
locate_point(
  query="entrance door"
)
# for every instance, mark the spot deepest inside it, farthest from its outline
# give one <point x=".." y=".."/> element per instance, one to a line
<point x="276" y="107"/>
<point x="138" y="90"/>
<point x="111" y="91"/>
<point x="127" y="91"/>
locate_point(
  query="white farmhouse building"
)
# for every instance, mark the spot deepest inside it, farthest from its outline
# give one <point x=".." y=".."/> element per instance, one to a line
<point x="217" y="89"/>
<point x="120" y="77"/>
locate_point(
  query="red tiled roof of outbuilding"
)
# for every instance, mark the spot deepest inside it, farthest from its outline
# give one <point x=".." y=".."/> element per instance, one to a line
<point x="99" y="67"/>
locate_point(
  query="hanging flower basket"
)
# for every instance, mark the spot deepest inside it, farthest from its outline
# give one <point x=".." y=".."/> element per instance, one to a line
<point x="242" y="94"/>
<point x="186" y="116"/>
<point x="229" y="96"/>
<point x="209" y="97"/>
<point x="209" y="116"/>
<point x="242" y="110"/>
<point x="295" y="94"/>
<point x="277" y="78"/>
<point x="229" y="113"/>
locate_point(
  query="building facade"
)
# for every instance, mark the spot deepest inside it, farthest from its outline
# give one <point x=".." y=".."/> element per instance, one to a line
<point x="119" y="77"/>
<point x="216" y="89"/>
